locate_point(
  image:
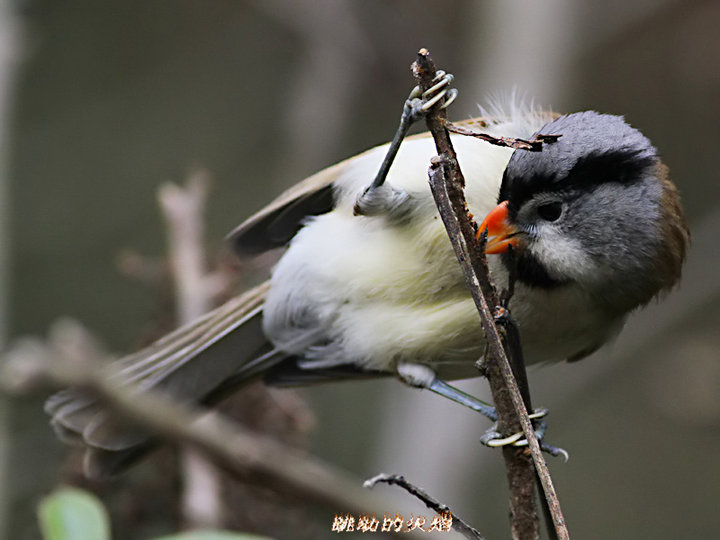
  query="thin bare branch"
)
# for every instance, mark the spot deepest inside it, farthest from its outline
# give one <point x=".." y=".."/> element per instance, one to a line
<point x="533" y="145"/>
<point x="458" y="524"/>
<point x="447" y="184"/>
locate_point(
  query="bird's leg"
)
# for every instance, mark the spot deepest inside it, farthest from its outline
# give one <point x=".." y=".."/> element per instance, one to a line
<point x="379" y="198"/>
<point x="448" y="391"/>
<point x="421" y="376"/>
<point x="512" y="338"/>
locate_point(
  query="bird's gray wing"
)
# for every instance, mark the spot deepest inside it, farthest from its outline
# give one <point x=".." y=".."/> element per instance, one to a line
<point x="190" y="364"/>
<point x="277" y="223"/>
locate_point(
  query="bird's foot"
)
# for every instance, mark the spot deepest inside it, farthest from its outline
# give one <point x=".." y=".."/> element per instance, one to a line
<point x="380" y="199"/>
<point x="419" y="103"/>
<point x="494" y="439"/>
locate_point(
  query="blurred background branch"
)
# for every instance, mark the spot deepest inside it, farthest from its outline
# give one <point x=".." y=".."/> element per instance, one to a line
<point x="10" y="53"/>
<point x="183" y="209"/>
<point x="71" y="359"/>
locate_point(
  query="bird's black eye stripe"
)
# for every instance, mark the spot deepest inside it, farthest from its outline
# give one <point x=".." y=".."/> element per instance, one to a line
<point x="550" y="211"/>
<point x="523" y="179"/>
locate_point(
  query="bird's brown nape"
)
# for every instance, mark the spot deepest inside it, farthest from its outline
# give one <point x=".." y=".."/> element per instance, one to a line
<point x="674" y="231"/>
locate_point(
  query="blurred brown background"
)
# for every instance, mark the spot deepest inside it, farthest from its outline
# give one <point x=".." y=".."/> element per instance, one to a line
<point x="103" y="101"/>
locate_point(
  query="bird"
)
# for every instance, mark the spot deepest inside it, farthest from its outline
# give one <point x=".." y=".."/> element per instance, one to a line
<point x="591" y="227"/>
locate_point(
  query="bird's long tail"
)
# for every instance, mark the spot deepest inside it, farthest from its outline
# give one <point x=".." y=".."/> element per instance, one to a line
<point x="196" y="363"/>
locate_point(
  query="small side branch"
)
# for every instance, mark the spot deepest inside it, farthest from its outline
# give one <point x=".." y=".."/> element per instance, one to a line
<point x="458" y="524"/>
<point x="533" y="145"/>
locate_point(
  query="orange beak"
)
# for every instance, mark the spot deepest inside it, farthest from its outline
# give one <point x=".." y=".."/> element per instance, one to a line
<point x="501" y="234"/>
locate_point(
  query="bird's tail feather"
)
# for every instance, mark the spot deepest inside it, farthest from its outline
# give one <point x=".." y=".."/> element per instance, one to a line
<point x="190" y="364"/>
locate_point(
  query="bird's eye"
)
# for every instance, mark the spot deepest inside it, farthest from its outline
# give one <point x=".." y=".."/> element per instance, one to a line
<point x="550" y="211"/>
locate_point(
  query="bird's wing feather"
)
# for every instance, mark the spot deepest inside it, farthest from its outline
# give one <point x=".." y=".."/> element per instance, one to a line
<point x="166" y="356"/>
<point x="227" y="341"/>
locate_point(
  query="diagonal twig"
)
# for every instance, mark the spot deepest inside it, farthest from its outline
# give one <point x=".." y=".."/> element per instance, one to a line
<point x="458" y="524"/>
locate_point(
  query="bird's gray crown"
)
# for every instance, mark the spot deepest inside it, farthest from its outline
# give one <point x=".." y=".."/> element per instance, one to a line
<point x="593" y="149"/>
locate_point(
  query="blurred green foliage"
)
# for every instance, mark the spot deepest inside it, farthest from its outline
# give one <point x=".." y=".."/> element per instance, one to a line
<point x="73" y="514"/>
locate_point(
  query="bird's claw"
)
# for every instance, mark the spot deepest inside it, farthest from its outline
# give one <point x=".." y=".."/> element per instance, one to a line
<point x="396" y="203"/>
<point x="494" y="439"/>
<point x="419" y="103"/>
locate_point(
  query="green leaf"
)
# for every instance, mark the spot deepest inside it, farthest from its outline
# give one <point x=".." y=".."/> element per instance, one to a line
<point x="213" y="535"/>
<point x="73" y="514"/>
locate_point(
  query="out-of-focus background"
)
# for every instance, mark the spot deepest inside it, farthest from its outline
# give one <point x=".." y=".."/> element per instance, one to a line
<point x="100" y="102"/>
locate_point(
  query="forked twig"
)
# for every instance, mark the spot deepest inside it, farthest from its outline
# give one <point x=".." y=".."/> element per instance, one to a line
<point x="458" y="524"/>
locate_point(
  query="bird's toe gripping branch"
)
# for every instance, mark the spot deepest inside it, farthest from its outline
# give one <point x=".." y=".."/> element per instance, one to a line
<point x="494" y="439"/>
<point x="419" y="103"/>
<point x="380" y="199"/>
